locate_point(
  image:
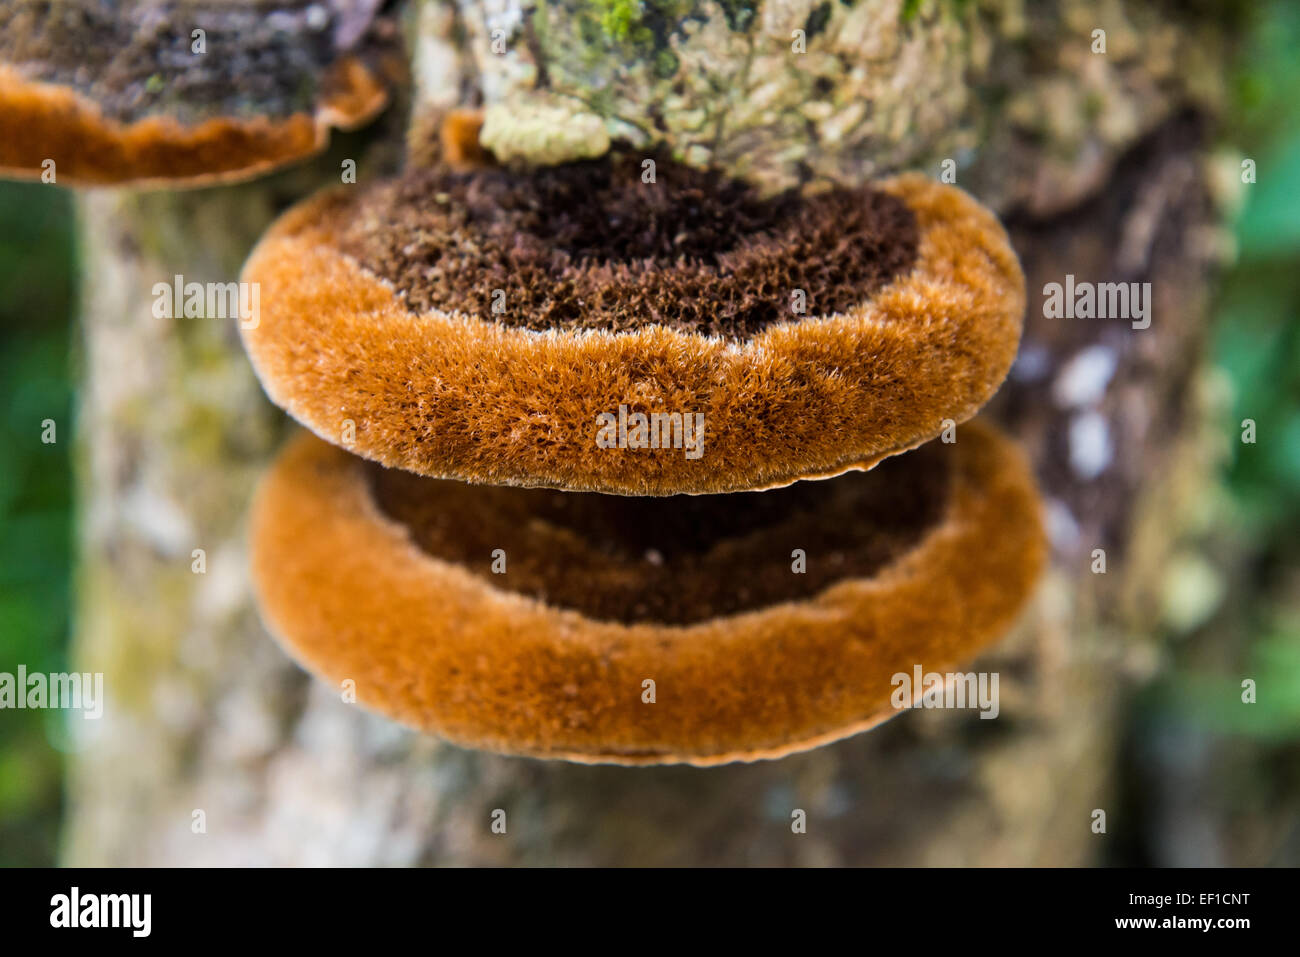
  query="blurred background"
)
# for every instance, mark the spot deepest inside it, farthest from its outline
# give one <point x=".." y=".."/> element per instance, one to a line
<point x="37" y="357"/>
<point x="1200" y="783"/>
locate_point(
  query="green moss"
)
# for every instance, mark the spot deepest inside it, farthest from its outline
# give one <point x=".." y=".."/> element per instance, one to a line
<point x="606" y="23"/>
<point x="645" y="26"/>
<point x="640" y="29"/>
<point x="620" y="18"/>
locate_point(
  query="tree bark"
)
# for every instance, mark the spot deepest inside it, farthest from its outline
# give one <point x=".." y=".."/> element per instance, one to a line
<point x="1099" y="165"/>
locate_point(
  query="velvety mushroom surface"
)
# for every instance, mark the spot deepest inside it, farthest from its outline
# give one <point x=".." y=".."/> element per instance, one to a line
<point x="116" y="93"/>
<point x="477" y="325"/>
<point x="387" y="580"/>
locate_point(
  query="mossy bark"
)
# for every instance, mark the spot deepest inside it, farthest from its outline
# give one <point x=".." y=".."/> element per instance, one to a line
<point x="1099" y="165"/>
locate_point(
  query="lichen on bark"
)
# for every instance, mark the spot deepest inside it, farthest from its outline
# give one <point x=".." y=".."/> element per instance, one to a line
<point x="791" y="90"/>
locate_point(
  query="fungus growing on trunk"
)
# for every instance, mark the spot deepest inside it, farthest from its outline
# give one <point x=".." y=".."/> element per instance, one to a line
<point x="472" y="329"/>
<point x="486" y="324"/>
<point x="173" y="93"/>
<point x="386" y="578"/>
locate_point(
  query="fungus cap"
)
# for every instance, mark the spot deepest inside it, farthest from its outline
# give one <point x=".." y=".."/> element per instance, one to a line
<point x="115" y="94"/>
<point x="386" y="578"/>
<point x="485" y="325"/>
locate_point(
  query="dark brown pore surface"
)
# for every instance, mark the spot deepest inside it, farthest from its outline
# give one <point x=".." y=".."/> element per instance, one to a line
<point x="589" y="245"/>
<point x="676" y="559"/>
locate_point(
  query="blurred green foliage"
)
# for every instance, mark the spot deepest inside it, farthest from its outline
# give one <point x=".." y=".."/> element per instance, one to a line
<point x="1257" y="339"/>
<point x="37" y="292"/>
<point x="1257" y="343"/>
<point x="1248" y="778"/>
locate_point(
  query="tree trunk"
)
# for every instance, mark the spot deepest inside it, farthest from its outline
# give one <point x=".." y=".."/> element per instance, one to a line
<point x="1097" y="162"/>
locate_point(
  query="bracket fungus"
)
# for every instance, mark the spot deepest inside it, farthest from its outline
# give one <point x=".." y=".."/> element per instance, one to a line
<point x="485" y="568"/>
<point x="484" y="324"/>
<point x="384" y="577"/>
<point x="182" y="92"/>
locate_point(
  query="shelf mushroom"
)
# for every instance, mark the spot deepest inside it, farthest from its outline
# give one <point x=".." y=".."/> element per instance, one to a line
<point x="181" y="94"/>
<point x="643" y="630"/>
<point x="484" y="325"/>
<point x="484" y="549"/>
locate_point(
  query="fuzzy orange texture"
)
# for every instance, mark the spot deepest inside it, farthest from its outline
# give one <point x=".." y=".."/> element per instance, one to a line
<point x="40" y="121"/>
<point x="454" y="396"/>
<point x="429" y="644"/>
<point x="458" y="137"/>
